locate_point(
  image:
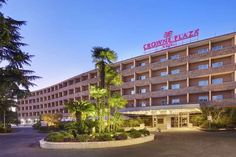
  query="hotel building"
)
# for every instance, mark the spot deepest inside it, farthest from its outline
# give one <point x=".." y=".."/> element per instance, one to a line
<point x="167" y="86"/>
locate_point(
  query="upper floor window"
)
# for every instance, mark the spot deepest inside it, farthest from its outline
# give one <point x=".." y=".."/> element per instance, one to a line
<point x="164" y="88"/>
<point x="176" y="71"/>
<point x="143" y="77"/>
<point x="203" y="83"/>
<point x="143" y="90"/>
<point x="217" y="64"/>
<point x="175" y="101"/>
<point x="217" y="97"/>
<point x="132" y="92"/>
<point x="163" y="102"/>
<point x="143" y="103"/>
<point x="175" y="86"/>
<point x="132" y="79"/>
<point x="217" y="81"/>
<point x="174" y="57"/>
<point x="132" y="66"/>
<point x="202" y="51"/>
<point x="163" y="59"/>
<point x="142" y="64"/>
<point x="216" y="48"/>
<point x="203" y="98"/>
<point x="163" y="73"/>
<point x="202" y="67"/>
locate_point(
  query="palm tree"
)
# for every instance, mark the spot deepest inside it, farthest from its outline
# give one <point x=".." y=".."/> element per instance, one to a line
<point x="81" y="109"/>
<point x="102" y="57"/>
<point x="112" y="78"/>
<point x="98" y="94"/>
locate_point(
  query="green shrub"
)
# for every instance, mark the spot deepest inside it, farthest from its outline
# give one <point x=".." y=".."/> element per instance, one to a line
<point x="121" y="136"/>
<point x="5" y="130"/>
<point x="37" y="125"/>
<point x="104" y="137"/>
<point x="83" y="138"/>
<point x="120" y="130"/>
<point x="59" y="137"/>
<point x="144" y="132"/>
<point x="134" y="133"/>
<point x="46" y="129"/>
<point x="132" y="122"/>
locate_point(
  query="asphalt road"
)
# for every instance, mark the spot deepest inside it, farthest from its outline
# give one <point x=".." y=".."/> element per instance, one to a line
<point x="24" y="143"/>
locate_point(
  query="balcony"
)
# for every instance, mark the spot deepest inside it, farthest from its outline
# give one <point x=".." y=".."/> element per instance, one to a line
<point x="221" y="103"/>
<point x="210" y="70"/>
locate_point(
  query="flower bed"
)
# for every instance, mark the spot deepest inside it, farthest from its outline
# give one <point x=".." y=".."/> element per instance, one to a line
<point x="64" y="140"/>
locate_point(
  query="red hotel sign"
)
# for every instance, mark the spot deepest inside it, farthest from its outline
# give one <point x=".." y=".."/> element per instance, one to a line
<point x="171" y="40"/>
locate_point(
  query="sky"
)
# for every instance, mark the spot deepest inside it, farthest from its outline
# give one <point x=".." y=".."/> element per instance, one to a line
<point x="61" y="33"/>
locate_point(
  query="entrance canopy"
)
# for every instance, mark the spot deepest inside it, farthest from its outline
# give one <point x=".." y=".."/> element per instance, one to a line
<point x="163" y="110"/>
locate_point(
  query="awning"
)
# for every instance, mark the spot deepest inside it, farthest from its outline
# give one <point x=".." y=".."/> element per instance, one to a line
<point x="162" y="110"/>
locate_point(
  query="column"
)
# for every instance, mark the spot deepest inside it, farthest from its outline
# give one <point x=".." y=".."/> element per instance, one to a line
<point x="178" y="120"/>
<point x="188" y="120"/>
<point x="150" y="101"/>
<point x="209" y="46"/>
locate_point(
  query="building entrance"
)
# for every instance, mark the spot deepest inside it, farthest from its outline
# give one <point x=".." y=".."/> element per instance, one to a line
<point x="179" y="121"/>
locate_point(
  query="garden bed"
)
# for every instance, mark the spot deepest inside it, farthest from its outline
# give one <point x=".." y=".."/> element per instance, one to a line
<point x="90" y="145"/>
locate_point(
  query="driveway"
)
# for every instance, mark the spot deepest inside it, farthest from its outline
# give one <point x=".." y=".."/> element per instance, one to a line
<point x="24" y="143"/>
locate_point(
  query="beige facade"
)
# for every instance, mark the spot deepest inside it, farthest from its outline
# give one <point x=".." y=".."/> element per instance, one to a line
<point x="194" y="73"/>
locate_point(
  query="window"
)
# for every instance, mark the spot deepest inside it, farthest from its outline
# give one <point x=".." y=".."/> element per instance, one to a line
<point x="160" y="121"/>
<point x="142" y="64"/>
<point x="164" y="73"/>
<point x="163" y="102"/>
<point x="143" y="104"/>
<point x="202" y="51"/>
<point x="202" y="67"/>
<point x="203" y="83"/>
<point x="163" y="59"/>
<point x="132" y="66"/>
<point x="217" y="81"/>
<point x="174" y="57"/>
<point x="132" y="92"/>
<point x="164" y="88"/>
<point x="142" y="77"/>
<point x="175" y="86"/>
<point x="216" y="48"/>
<point x="217" y="64"/>
<point x="176" y="71"/>
<point x="217" y="97"/>
<point x="203" y="98"/>
<point x="175" y="101"/>
<point x="143" y="90"/>
<point x="132" y="79"/>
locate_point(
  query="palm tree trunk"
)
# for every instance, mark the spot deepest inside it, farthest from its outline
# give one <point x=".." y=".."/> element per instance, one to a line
<point x="4" y="119"/>
<point x="78" y="116"/>
<point x="102" y="75"/>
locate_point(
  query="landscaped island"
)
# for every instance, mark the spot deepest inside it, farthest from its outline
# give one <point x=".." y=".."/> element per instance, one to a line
<point x="97" y="123"/>
<point x="65" y="140"/>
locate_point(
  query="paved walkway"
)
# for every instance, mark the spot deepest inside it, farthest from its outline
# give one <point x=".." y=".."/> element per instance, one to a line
<point x="24" y="143"/>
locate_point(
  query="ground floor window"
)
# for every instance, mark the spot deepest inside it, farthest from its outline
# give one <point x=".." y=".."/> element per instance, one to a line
<point x="160" y="120"/>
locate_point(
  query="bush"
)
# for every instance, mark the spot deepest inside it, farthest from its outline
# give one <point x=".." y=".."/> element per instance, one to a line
<point x="83" y="138"/>
<point x="134" y="133"/>
<point x="37" y="125"/>
<point x="121" y="136"/>
<point x="144" y="132"/>
<point x="46" y="129"/>
<point x="59" y="137"/>
<point x="104" y="137"/>
<point x="5" y="130"/>
<point x="121" y="130"/>
<point x="133" y="122"/>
